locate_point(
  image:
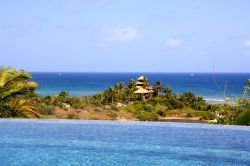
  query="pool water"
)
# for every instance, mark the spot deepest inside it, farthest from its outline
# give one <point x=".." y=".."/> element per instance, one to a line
<point x="107" y="143"/>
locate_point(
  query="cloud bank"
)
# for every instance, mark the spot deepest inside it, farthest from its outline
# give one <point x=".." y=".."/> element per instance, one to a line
<point x="122" y="34"/>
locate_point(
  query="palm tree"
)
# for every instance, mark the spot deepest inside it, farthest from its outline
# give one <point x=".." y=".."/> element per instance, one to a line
<point x="188" y="98"/>
<point x="158" y="87"/>
<point x="14" y="93"/>
<point x="167" y="91"/>
<point x="110" y="95"/>
<point x="129" y="94"/>
<point x="132" y="84"/>
<point x="18" y="107"/>
<point x="146" y="82"/>
<point x="120" y="86"/>
<point x="246" y="88"/>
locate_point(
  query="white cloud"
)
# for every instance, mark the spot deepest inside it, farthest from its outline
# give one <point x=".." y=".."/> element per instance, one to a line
<point x="172" y="42"/>
<point x="127" y="33"/>
<point x="247" y="43"/>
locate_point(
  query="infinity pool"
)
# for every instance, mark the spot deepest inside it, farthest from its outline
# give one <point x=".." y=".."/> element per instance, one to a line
<point x="107" y="143"/>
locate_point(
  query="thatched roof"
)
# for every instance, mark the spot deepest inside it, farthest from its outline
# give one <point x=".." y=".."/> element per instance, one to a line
<point x="141" y="91"/>
<point x="141" y="78"/>
<point x="140" y="83"/>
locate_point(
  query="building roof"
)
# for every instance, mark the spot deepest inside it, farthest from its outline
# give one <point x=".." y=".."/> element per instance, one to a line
<point x="141" y="91"/>
<point x="141" y="78"/>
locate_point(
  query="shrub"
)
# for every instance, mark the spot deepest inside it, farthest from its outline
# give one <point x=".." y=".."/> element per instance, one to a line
<point x="175" y="103"/>
<point x="244" y="118"/>
<point x="112" y="115"/>
<point x="201" y="106"/>
<point x="74" y="102"/>
<point x="138" y="107"/>
<point x="98" y="110"/>
<point x="205" y="115"/>
<point x="73" y="115"/>
<point x="189" y="113"/>
<point x="147" y="116"/>
<point x="96" y="103"/>
<point x="148" y="107"/>
<point x="114" y="107"/>
<point x="154" y="101"/>
<point x="48" y="99"/>
<point x="161" y="112"/>
<point x="46" y="109"/>
<point x="216" y="107"/>
<point x="129" y="108"/>
<point x="78" y="110"/>
<point x="188" y="98"/>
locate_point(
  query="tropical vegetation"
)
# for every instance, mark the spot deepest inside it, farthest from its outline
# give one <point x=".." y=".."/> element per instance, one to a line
<point x="15" y="93"/>
<point x="137" y="100"/>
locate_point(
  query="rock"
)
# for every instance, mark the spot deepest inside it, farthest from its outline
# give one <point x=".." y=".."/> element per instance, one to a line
<point x="66" y="106"/>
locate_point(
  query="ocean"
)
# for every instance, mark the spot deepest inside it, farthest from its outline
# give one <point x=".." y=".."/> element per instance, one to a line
<point x="108" y="143"/>
<point x="208" y="85"/>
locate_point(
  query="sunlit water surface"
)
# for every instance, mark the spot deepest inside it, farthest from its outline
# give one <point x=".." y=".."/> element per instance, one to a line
<point x="101" y="143"/>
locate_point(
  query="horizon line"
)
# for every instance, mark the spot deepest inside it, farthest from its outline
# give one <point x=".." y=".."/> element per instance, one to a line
<point x="123" y="72"/>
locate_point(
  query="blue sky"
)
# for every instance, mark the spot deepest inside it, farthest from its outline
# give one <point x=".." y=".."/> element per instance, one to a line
<point x="125" y="35"/>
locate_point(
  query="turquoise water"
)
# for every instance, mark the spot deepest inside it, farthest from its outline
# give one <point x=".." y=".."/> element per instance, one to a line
<point x="204" y="84"/>
<point x="105" y="143"/>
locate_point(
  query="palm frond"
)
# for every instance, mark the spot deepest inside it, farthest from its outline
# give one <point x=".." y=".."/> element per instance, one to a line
<point x="18" y="107"/>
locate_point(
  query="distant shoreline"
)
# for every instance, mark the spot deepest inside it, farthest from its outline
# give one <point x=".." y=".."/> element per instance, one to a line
<point x="220" y="101"/>
<point x="98" y="72"/>
<point x="90" y="83"/>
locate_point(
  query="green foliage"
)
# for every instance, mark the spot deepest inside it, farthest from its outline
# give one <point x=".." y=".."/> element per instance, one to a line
<point x="13" y="83"/>
<point x="248" y="82"/>
<point x="64" y="94"/>
<point x="244" y="118"/>
<point x="204" y="115"/>
<point x="168" y="92"/>
<point x="74" y="102"/>
<point x="189" y="113"/>
<point x="113" y="115"/>
<point x="15" y="89"/>
<point x="201" y="106"/>
<point x="161" y="112"/>
<point x="18" y="108"/>
<point x="174" y="103"/>
<point x="153" y="101"/>
<point x="143" y="111"/>
<point x="148" y="107"/>
<point x="62" y="97"/>
<point x="132" y="84"/>
<point x="228" y="114"/>
<point x="157" y="88"/>
<point x="18" y="99"/>
<point x="171" y="103"/>
<point x="114" y="107"/>
<point x="147" y="116"/>
<point x="215" y="107"/>
<point x="46" y="109"/>
<point x="188" y="98"/>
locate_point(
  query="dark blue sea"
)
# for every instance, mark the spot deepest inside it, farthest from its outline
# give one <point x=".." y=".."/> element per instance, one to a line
<point x="107" y="143"/>
<point x="208" y="85"/>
